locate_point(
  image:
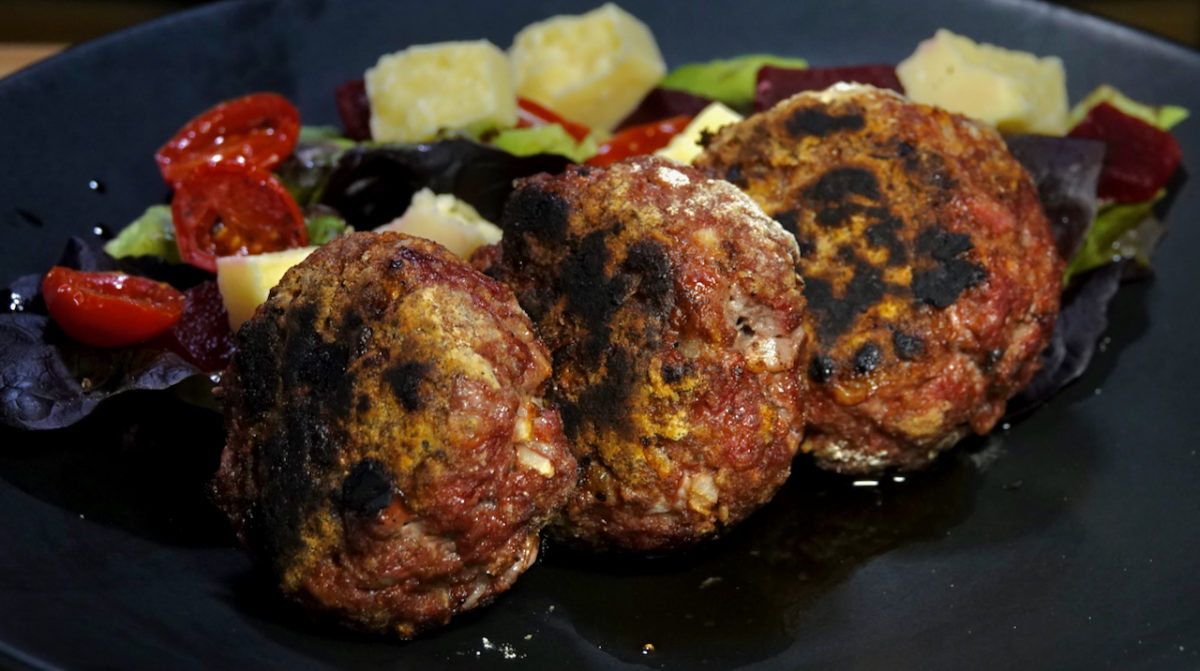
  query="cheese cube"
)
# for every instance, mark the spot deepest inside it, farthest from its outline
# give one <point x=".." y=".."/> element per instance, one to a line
<point x="246" y="281"/>
<point x="593" y="68"/>
<point x="446" y="220"/>
<point x="1015" y="91"/>
<point x="421" y="90"/>
<point x="686" y="145"/>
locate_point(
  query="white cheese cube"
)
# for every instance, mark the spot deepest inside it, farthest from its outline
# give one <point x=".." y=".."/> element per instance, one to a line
<point x="421" y="90"/>
<point x="593" y="68"/>
<point x="685" y="146"/>
<point x="246" y="281"/>
<point x="1015" y="91"/>
<point x="447" y="221"/>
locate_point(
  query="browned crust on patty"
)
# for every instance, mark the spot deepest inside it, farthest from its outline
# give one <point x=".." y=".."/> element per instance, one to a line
<point x="672" y="310"/>
<point x="388" y="455"/>
<point x="930" y="272"/>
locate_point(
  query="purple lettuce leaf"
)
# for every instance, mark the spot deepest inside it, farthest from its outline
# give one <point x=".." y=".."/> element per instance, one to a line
<point x="1066" y="172"/>
<point x="372" y="185"/>
<point x="48" y="381"/>
<point x="1082" y="320"/>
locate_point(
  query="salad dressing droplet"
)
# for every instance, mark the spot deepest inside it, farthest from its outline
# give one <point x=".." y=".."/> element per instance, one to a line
<point x="96" y="185"/>
<point x="102" y="231"/>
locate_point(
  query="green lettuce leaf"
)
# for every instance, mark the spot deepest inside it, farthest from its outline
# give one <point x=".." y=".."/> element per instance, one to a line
<point x="1121" y="231"/>
<point x="548" y="139"/>
<point x="324" y="224"/>
<point x="313" y="134"/>
<point x="730" y="81"/>
<point x="151" y="234"/>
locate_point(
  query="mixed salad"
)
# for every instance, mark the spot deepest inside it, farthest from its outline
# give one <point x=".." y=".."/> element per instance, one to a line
<point x="432" y="139"/>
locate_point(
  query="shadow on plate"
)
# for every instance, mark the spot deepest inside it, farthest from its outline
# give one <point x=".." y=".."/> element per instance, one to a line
<point x="741" y="599"/>
<point x="142" y="463"/>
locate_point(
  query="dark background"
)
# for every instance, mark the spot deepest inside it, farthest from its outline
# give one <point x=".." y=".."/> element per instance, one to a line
<point x="70" y="21"/>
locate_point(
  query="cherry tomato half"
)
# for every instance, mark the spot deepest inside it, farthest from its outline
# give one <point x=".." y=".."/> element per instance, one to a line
<point x="110" y="309"/>
<point x="258" y="130"/>
<point x="531" y="114"/>
<point x="227" y="209"/>
<point x="639" y="140"/>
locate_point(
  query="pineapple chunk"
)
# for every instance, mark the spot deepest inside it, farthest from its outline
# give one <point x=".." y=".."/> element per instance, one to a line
<point x="1015" y="91"/>
<point x="245" y="281"/>
<point x="447" y="221"/>
<point x="686" y="145"/>
<point x="421" y="90"/>
<point x="593" y="68"/>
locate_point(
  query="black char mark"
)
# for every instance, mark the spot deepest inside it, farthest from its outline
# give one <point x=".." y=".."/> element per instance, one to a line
<point x="591" y="296"/>
<point x="405" y="379"/>
<point x="834" y="316"/>
<point x="867" y="358"/>
<point x="258" y="366"/>
<point x="645" y="285"/>
<point x="311" y="363"/>
<point x="908" y="347"/>
<point x="822" y="368"/>
<point x="650" y="268"/>
<point x="840" y="183"/>
<point x="313" y="391"/>
<point x="534" y="212"/>
<point x="734" y="175"/>
<point x="883" y="234"/>
<point x="672" y="373"/>
<point x="950" y="275"/>
<point x="603" y="406"/>
<point x="833" y="195"/>
<point x="809" y="121"/>
<point x="788" y="220"/>
<point x="367" y="488"/>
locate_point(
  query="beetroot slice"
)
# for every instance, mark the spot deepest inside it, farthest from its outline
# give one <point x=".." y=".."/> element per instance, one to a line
<point x="776" y="84"/>
<point x="354" y="108"/>
<point x="660" y="104"/>
<point x="202" y="336"/>
<point x="1140" y="157"/>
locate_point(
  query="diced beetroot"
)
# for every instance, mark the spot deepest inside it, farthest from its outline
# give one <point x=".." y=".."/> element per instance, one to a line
<point x="355" y="109"/>
<point x="203" y="336"/>
<point x="660" y="104"/>
<point x="775" y="84"/>
<point x="1140" y="158"/>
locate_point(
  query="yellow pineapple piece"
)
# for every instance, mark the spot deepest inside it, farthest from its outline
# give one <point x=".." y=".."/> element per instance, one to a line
<point x="1015" y="91"/>
<point x="423" y="89"/>
<point x="593" y="68"/>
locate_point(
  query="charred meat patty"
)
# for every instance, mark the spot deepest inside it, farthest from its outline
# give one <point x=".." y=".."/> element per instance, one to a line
<point x="389" y="458"/>
<point x="930" y="271"/>
<point x="672" y="311"/>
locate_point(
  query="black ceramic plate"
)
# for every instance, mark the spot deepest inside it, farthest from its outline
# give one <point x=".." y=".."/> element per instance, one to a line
<point x="1066" y="541"/>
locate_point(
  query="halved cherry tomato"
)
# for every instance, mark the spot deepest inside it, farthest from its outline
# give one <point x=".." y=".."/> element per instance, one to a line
<point x="227" y="209"/>
<point x="258" y="130"/>
<point x="110" y="309"/>
<point x="638" y="140"/>
<point x="531" y="114"/>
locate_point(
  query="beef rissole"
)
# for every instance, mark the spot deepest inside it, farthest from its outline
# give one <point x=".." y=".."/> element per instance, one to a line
<point x="672" y="311"/>
<point x="389" y="458"/>
<point x="930" y="272"/>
